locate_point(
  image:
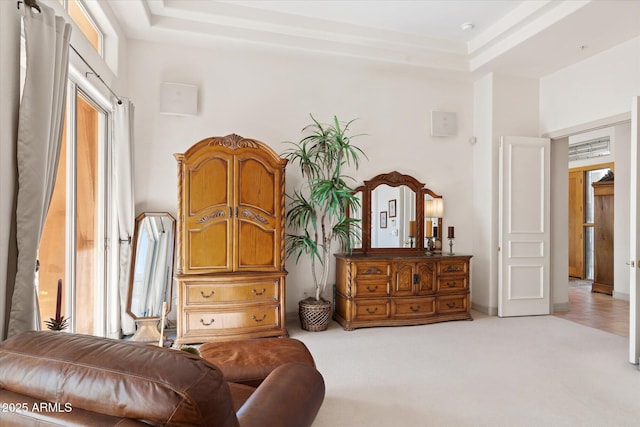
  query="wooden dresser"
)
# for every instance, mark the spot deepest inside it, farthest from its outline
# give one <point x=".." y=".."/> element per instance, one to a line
<point x="387" y="290"/>
<point x="603" y="236"/>
<point x="230" y="272"/>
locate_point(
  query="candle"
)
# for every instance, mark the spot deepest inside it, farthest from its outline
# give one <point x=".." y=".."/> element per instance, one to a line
<point x="59" y="300"/>
<point x="451" y="234"/>
<point x="428" y="231"/>
<point x="412" y="228"/>
<point x="435" y="231"/>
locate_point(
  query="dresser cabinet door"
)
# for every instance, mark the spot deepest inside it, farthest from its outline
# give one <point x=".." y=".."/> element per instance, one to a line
<point x="414" y="278"/>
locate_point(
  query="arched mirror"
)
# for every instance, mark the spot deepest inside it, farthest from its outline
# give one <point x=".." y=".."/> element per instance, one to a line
<point x="151" y="277"/>
<point x="398" y="214"/>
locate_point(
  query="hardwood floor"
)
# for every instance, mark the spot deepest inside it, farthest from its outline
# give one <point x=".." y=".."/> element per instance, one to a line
<point x="596" y="310"/>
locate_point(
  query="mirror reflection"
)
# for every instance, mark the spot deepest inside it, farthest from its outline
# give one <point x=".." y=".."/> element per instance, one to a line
<point x="433" y="212"/>
<point x="150" y="282"/>
<point x="393" y="217"/>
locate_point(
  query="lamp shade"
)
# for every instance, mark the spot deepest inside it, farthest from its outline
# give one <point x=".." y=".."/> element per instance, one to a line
<point x="434" y="208"/>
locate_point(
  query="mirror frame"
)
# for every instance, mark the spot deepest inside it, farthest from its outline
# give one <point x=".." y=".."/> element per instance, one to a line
<point x="134" y="249"/>
<point x="394" y="179"/>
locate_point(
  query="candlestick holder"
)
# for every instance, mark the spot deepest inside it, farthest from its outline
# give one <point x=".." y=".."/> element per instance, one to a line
<point x="411" y="241"/>
<point x="450" y="246"/>
<point x="430" y="246"/>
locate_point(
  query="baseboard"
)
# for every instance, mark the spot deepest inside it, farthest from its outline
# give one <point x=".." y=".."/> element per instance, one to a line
<point x="560" y="307"/>
<point x="490" y="311"/>
<point x="621" y="295"/>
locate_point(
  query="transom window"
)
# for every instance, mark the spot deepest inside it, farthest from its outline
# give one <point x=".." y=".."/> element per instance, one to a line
<point x="83" y="19"/>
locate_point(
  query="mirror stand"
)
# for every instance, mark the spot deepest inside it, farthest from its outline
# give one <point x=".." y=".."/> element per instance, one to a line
<point x="147" y="330"/>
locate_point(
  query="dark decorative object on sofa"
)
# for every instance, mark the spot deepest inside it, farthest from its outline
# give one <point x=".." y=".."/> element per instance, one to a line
<point x="316" y="213"/>
<point x="86" y="380"/>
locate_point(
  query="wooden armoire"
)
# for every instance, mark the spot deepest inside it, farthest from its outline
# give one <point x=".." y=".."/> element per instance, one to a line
<point x="603" y="236"/>
<point x="230" y="274"/>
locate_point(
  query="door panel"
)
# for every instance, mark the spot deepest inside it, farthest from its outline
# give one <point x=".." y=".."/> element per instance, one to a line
<point x="524" y="218"/>
<point x="634" y="250"/>
<point x="576" y="219"/>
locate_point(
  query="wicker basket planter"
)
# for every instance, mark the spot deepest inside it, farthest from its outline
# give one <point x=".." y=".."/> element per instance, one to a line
<point x="314" y="315"/>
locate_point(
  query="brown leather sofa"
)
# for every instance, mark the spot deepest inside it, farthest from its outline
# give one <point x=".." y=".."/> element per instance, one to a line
<point x="55" y="378"/>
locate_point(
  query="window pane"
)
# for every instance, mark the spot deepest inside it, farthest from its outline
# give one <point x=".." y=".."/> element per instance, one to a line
<point x="51" y="252"/>
<point x="86" y="214"/>
<point x="591" y="177"/>
<point x="588" y="253"/>
<point x="88" y="28"/>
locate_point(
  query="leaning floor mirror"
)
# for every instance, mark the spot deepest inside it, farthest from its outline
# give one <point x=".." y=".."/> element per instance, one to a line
<point x="151" y="277"/>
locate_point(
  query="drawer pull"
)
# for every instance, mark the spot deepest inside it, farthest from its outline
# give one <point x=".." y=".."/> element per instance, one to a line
<point x="451" y="304"/>
<point x="414" y="309"/>
<point x="372" y="270"/>
<point x="207" y="296"/>
<point x="375" y="309"/>
<point x="375" y="288"/>
<point x="207" y="324"/>
<point x="451" y="284"/>
<point x="452" y="268"/>
<point x="256" y="293"/>
<point x="264" y="316"/>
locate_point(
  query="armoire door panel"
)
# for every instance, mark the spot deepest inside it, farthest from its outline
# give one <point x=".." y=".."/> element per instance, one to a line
<point x="205" y="253"/>
<point x="257" y="186"/>
<point x="256" y="247"/>
<point x="209" y="185"/>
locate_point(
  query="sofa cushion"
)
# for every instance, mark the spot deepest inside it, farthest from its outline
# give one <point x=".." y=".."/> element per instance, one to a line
<point x="250" y="361"/>
<point x="117" y="378"/>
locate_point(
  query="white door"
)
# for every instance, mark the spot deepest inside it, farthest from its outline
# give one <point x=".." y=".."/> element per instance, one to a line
<point x="634" y="250"/>
<point x="524" y="223"/>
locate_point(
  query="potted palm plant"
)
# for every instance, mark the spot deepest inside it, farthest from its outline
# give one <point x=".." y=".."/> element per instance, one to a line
<point x="317" y="210"/>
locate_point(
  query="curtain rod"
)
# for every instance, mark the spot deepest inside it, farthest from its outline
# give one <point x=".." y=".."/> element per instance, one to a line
<point x="34" y="4"/>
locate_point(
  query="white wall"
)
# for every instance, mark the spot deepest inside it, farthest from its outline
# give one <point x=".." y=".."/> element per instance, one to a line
<point x="504" y="106"/>
<point x="268" y="96"/>
<point x="598" y="87"/>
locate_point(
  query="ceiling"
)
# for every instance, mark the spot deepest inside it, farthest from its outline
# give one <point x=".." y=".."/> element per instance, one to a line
<point x="529" y="38"/>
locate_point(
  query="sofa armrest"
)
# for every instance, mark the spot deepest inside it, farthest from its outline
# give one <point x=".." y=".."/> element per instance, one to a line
<point x="290" y="396"/>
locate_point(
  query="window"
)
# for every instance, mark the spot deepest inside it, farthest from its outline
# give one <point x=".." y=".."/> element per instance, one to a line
<point x="72" y="245"/>
<point x="83" y="19"/>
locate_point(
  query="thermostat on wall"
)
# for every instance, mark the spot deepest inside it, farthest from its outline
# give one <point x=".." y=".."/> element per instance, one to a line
<point x="444" y="124"/>
<point x="178" y="99"/>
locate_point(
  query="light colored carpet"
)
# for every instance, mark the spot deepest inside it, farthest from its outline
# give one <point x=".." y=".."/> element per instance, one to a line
<point x="526" y="371"/>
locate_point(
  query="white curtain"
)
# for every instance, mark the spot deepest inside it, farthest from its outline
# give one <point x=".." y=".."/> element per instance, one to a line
<point x="40" y="122"/>
<point x="119" y="320"/>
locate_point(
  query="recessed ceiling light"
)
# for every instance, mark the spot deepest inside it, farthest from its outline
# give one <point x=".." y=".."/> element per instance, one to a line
<point x="467" y="26"/>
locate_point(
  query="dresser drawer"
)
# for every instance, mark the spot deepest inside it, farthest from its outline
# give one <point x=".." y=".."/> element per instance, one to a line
<point x="371" y="269"/>
<point x="204" y="321"/>
<point x="215" y="293"/>
<point x="371" y="288"/>
<point x="371" y="309"/>
<point x="414" y="307"/>
<point x="448" y="283"/>
<point x="453" y="266"/>
<point x="452" y="304"/>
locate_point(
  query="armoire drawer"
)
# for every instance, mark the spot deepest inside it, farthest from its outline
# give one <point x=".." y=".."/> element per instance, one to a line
<point x="199" y="293"/>
<point x="196" y="320"/>
<point x="412" y="307"/>
<point x="452" y="304"/>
